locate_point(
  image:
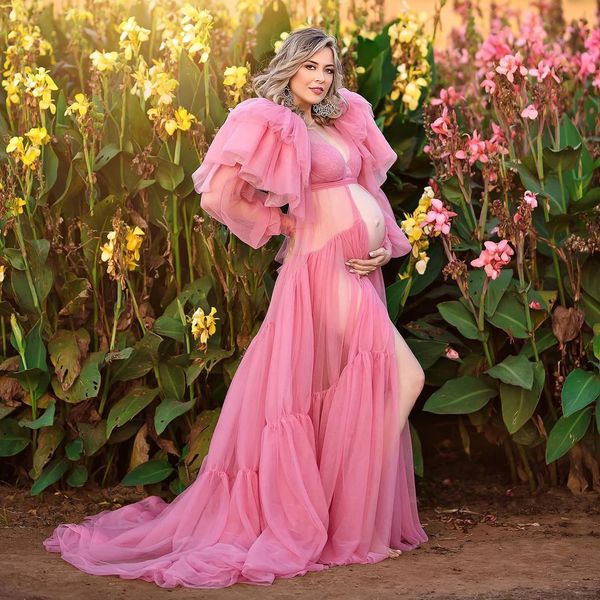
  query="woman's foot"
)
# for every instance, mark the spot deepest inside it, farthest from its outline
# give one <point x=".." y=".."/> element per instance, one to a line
<point x="394" y="553"/>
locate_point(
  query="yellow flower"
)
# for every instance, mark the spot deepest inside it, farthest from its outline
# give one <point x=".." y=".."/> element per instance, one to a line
<point x="184" y="118"/>
<point x="40" y="85"/>
<point x="15" y="144"/>
<point x="411" y="229"/>
<point x="421" y="264"/>
<point x="202" y="325"/>
<point x="104" y="61"/>
<point x="282" y="37"/>
<point x="14" y="206"/>
<point x="80" y="106"/>
<point x="132" y="36"/>
<point x="2" y="273"/>
<point x="38" y="136"/>
<point x="12" y="86"/>
<point x="134" y="241"/>
<point x="108" y="249"/>
<point x="235" y="77"/>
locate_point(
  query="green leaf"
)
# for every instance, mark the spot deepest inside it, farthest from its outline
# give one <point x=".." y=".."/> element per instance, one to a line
<point x="106" y="154"/>
<point x="141" y="361"/>
<point x="518" y="403"/>
<point x="42" y="421"/>
<point x="78" y="476"/>
<point x="458" y="396"/>
<point x="426" y="352"/>
<point x="496" y="288"/>
<point x="74" y="449"/>
<point x="87" y="385"/>
<point x="168" y="410"/>
<point x="456" y="314"/>
<point x="172" y="380"/>
<point x="51" y="474"/>
<point x="12" y="438"/>
<point x="168" y="174"/>
<point x="15" y="258"/>
<point x="416" y="451"/>
<point x="149" y="472"/>
<point x="563" y="159"/>
<point x="35" y="350"/>
<point x="93" y="436"/>
<point x="170" y="327"/>
<point x="514" y="370"/>
<point x="129" y="406"/>
<point x="580" y="389"/>
<point x="510" y="316"/>
<point x="567" y="431"/>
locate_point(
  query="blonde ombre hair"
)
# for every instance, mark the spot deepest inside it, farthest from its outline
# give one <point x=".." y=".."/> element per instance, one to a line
<point x="298" y="47"/>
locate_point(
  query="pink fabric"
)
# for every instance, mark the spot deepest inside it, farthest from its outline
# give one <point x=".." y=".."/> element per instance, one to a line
<point x="309" y="465"/>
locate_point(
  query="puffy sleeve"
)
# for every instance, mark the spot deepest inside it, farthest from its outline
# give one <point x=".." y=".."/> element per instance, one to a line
<point x="377" y="158"/>
<point x="253" y="167"/>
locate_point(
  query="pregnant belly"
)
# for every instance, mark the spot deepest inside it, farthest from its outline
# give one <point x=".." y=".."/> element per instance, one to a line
<point x="371" y="214"/>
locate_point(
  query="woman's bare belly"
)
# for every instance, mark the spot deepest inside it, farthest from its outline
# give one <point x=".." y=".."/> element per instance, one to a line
<point x="371" y="213"/>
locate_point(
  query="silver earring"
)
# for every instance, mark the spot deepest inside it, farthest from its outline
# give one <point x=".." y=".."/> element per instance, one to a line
<point x="288" y="99"/>
<point x="325" y="108"/>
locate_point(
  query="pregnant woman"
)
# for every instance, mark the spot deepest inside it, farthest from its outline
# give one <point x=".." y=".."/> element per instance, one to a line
<point x="310" y="465"/>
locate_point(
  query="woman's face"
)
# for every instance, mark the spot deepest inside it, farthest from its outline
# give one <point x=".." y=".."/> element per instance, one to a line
<point x="313" y="79"/>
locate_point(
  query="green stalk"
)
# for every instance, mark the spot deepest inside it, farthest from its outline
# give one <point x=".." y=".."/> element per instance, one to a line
<point x="406" y="293"/>
<point x="174" y="205"/>
<point x="28" y="274"/>
<point x="122" y="130"/>
<point x="136" y="308"/>
<point x="188" y="243"/>
<point x="523" y="294"/>
<point x="117" y="313"/>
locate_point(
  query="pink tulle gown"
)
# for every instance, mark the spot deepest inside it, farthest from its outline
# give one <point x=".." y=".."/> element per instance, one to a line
<point x="310" y="464"/>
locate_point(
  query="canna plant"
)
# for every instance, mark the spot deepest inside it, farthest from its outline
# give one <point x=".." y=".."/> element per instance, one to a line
<point x="512" y="137"/>
<point x="124" y="311"/>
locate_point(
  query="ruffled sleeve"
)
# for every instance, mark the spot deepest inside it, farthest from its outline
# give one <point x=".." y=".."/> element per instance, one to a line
<point x="377" y="158"/>
<point x="256" y="163"/>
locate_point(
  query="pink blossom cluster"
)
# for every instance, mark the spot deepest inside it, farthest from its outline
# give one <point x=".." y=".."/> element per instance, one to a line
<point x="479" y="149"/>
<point x="438" y="216"/>
<point x="493" y="257"/>
<point x="589" y="61"/>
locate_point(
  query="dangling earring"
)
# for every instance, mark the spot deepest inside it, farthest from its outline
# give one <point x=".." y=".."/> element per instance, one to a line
<point x="288" y="99"/>
<point x="325" y="108"/>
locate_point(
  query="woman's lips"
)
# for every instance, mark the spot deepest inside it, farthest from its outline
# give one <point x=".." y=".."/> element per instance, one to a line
<point x="318" y="91"/>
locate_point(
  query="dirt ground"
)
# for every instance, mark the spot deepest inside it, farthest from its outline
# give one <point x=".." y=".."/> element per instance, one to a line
<point x="488" y="541"/>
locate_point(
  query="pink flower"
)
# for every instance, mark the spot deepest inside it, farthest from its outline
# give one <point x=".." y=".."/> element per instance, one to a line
<point x="530" y="112"/>
<point x="488" y="84"/>
<point x="493" y="257"/>
<point x="535" y="305"/>
<point x="447" y="96"/>
<point x="451" y="353"/>
<point x="517" y="217"/>
<point x="530" y="198"/>
<point x="511" y="64"/>
<point x="439" y="216"/>
<point x="442" y="125"/>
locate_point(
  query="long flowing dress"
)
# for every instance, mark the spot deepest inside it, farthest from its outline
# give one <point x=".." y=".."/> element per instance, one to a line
<point x="309" y="466"/>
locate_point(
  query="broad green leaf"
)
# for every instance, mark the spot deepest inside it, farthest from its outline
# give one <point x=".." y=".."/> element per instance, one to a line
<point x="170" y="327"/>
<point x="168" y="410"/>
<point x="496" y="288"/>
<point x="74" y="449"/>
<point x="510" y="316"/>
<point x="518" y="403"/>
<point x="567" y="431"/>
<point x="93" y="436"/>
<point x="51" y="474"/>
<point x="459" y="396"/>
<point x="427" y="352"/>
<point x="44" y="420"/>
<point x="129" y="406"/>
<point x="149" y="472"/>
<point x="456" y="314"/>
<point x="87" y="385"/>
<point x="78" y="476"/>
<point x="172" y="380"/>
<point x="13" y="439"/>
<point x="514" y="370"/>
<point x="200" y="437"/>
<point x="580" y="389"/>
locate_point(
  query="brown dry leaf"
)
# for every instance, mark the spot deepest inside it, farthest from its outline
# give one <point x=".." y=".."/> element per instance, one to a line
<point x="11" y="391"/>
<point x="566" y="323"/>
<point x="168" y="446"/>
<point x="140" y="453"/>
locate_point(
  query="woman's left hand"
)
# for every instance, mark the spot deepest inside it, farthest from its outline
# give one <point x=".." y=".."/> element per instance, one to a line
<point x="381" y="257"/>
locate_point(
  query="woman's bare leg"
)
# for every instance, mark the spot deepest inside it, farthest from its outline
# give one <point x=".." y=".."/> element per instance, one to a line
<point x="411" y="382"/>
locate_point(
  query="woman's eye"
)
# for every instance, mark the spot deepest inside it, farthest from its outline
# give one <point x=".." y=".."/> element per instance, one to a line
<point x="330" y="71"/>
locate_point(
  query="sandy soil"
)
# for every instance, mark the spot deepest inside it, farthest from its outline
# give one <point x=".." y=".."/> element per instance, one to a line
<point x="487" y="541"/>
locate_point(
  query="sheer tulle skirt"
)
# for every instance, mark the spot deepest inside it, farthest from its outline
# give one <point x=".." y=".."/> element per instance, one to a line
<point x="309" y="466"/>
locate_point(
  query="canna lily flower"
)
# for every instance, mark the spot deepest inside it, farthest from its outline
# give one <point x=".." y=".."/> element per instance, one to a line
<point x="80" y="106"/>
<point x="493" y="257"/>
<point x="535" y="305"/>
<point x="442" y="125"/>
<point x="38" y="136"/>
<point x="530" y="112"/>
<point x="203" y="325"/>
<point x="451" y="353"/>
<point x="104" y="61"/>
<point x="511" y="64"/>
<point x="530" y="198"/>
<point x="438" y="216"/>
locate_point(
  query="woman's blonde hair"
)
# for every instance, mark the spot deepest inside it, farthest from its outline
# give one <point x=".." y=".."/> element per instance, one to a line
<point x="298" y="47"/>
